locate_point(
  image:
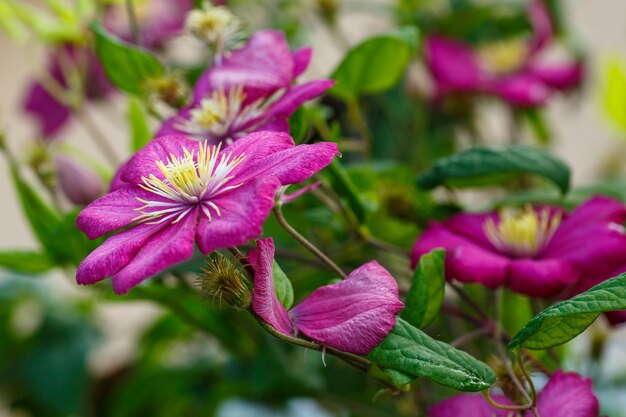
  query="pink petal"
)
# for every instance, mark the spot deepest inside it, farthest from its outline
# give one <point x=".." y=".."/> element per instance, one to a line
<point x="466" y="260"/>
<point x="287" y="104"/>
<point x="243" y="212"/>
<point x="453" y="65"/>
<point x="301" y="60"/>
<point x="170" y="245"/>
<point x="259" y="145"/>
<point x="541" y="21"/>
<point x="472" y="226"/>
<point x="143" y="163"/>
<point x="275" y="125"/>
<point x="170" y="126"/>
<point x="470" y="405"/>
<point x="592" y="237"/>
<point x="50" y="114"/>
<point x="263" y="66"/>
<point x="520" y="90"/>
<point x="353" y="315"/>
<point x="115" y="253"/>
<point x="559" y="76"/>
<point x="292" y="165"/>
<point x="567" y="395"/>
<point x="110" y="212"/>
<point x="264" y="301"/>
<point x="541" y="277"/>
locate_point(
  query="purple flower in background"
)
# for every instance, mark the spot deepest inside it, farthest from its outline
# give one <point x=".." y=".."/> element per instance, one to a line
<point x="53" y="112"/>
<point x="566" y="395"/>
<point x="513" y="70"/>
<point x="537" y="251"/>
<point x="178" y="191"/>
<point x="248" y="90"/>
<point x="158" y="20"/>
<point x="80" y="184"/>
<point x="353" y="315"/>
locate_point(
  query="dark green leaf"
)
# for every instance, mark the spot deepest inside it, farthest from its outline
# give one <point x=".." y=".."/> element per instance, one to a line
<point x="284" y="289"/>
<point x="140" y="131"/>
<point x="408" y="350"/>
<point x="425" y="296"/>
<point x="26" y="262"/>
<point x="485" y="166"/>
<point x="375" y="65"/>
<point x="395" y="378"/>
<point x="129" y="67"/>
<point x="563" y="321"/>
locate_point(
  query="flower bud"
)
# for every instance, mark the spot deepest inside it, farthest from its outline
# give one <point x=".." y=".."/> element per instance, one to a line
<point x="169" y="89"/>
<point x="214" y="25"/>
<point x="79" y="184"/>
<point x="40" y="159"/>
<point x="222" y="279"/>
<point x="328" y="10"/>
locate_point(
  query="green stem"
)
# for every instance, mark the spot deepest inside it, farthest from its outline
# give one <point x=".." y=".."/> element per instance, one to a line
<point x="98" y="137"/>
<point x="304" y="242"/>
<point x="132" y="18"/>
<point x="358" y="121"/>
<point x="502" y="406"/>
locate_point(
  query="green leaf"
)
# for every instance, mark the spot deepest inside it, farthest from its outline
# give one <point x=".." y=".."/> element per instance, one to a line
<point x="562" y="322"/>
<point x="375" y="65"/>
<point x="395" y="378"/>
<point x="140" y="131"/>
<point x="26" y="262"/>
<point x="485" y="166"/>
<point x="129" y="67"/>
<point x="408" y="350"/>
<point x="283" y="287"/>
<point x="614" y="92"/>
<point x="425" y="296"/>
<point x="42" y="218"/>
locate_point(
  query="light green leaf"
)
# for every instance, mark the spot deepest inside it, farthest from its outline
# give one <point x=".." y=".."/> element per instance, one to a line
<point x="26" y="262"/>
<point x="375" y="65"/>
<point x="562" y="322"/>
<point x="140" y="131"/>
<point x="42" y="218"/>
<point x="614" y="92"/>
<point x="425" y="296"/>
<point x="408" y="350"/>
<point x="482" y="166"/>
<point x="129" y="67"/>
<point x="283" y="287"/>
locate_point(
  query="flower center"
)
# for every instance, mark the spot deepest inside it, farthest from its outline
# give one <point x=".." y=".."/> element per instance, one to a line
<point x="522" y="232"/>
<point x="190" y="181"/>
<point x="503" y="57"/>
<point x="216" y="26"/>
<point x="221" y="114"/>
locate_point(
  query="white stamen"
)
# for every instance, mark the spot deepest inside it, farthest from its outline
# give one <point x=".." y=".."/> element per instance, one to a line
<point x="190" y="181"/>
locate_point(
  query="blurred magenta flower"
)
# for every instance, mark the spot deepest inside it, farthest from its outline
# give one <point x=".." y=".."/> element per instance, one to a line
<point x="537" y="251"/>
<point x="53" y="111"/>
<point x="512" y="69"/>
<point x="79" y="183"/>
<point x="52" y="99"/>
<point x="566" y="395"/>
<point x="158" y="20"/>
<point x="353" y="315"/>
<point x="179" y="191"/>
<point x="248" y="90"/>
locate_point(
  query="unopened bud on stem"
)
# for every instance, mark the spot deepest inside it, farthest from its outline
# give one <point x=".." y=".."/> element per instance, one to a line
<point x="223" y="279"/>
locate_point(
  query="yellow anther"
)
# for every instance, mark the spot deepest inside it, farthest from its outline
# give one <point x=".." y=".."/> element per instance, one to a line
<point x="212" y="24"/>
<point x="503" y="57"/>
<point x="522" y="232"/>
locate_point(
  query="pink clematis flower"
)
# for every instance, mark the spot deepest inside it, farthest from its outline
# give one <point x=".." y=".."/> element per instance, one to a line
<point x="248" y="90"/>
<point x="353" y="315"/>
<point x="512" y="70"/>
<point x="566" y="395"/>
<point x="537" y="251"/>
<point x="178" y="191"/>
